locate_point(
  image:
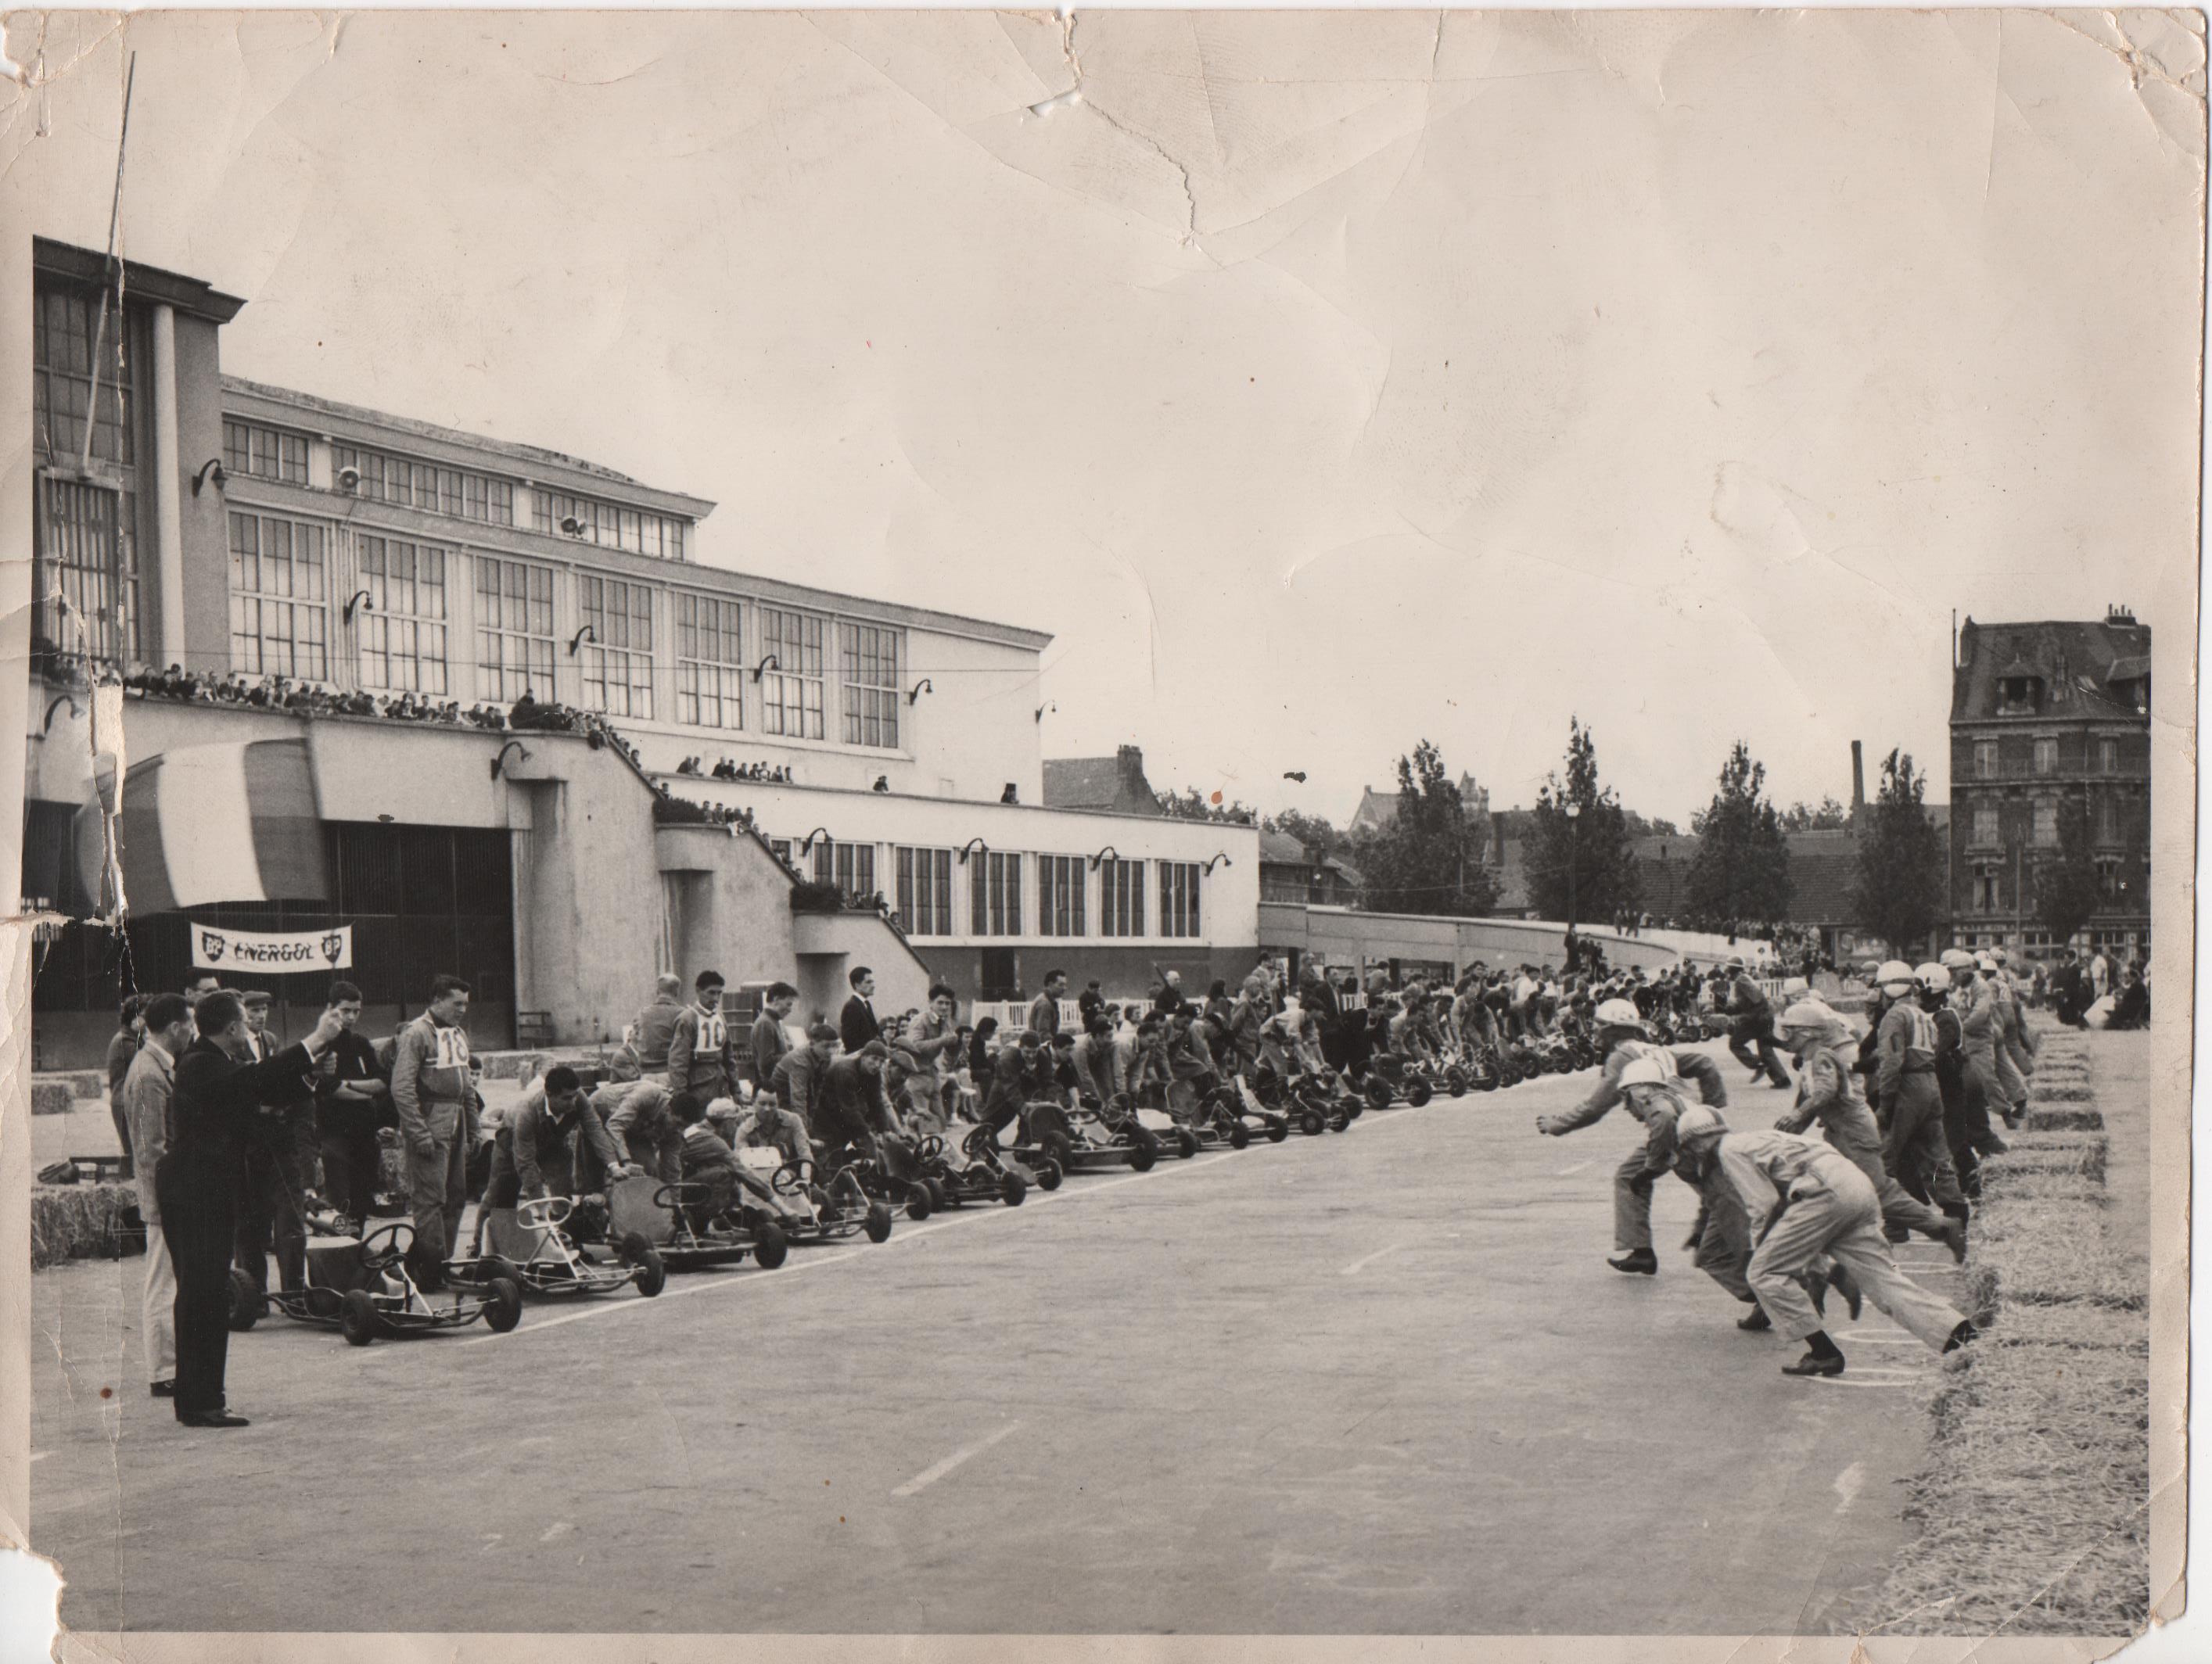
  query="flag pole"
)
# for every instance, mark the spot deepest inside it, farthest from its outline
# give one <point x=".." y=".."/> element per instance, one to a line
<point x="107" y="273"/>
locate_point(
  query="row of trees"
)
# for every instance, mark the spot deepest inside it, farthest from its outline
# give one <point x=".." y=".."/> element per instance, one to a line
<point x="1579" y="851"/>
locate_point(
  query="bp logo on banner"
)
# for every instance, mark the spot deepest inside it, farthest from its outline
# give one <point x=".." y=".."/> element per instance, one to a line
<point x="214" y="949"/>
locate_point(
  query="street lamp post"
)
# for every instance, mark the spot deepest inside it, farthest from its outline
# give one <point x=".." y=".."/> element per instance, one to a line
<point x="1574" y="815"/>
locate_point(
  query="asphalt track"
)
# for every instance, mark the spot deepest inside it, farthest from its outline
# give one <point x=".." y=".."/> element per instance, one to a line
<point x="1380" y="1382"/>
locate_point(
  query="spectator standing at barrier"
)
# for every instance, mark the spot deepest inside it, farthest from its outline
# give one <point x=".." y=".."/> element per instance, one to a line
<point x="857" y="1024"/>
<point x="148" y="1088"/>
<point x="1043" y="1019"/>
<point x="1167" y="999"/>
<point x="770" y="1041"/>
<point x="1090" y="1001"/>
<point x="353" y="1099"/>
<point x="220" y="1090"/>
<point x="655" y="1026"/>
<point x="702" y="1056"/>
<point x="2132" y="1009"/>
<point x="433" y="1094"/>
<point x="122" y="1050"/>
<point x="280" y="1170"/>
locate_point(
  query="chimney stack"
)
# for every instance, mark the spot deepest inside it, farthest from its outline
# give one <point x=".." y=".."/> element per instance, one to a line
<point x="1858" y="781"/>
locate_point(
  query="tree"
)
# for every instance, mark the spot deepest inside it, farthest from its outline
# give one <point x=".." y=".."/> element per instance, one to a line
<point x="2067" y="887"/>
<point x="1589" y="853"/>
<point x="1430" y="858"/>
<point x="1639" y="827"/>
<point x="1741" y="872"/>
<point x="1830" y="817"/>
<point x="1314" y="831"/>
<point x="1190" y="806"/>
<point x="1902" y="863"/>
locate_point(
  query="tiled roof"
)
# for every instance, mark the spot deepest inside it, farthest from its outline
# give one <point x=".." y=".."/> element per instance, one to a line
<point x="1081" y="782"/>
<point x="2076" y="661"/>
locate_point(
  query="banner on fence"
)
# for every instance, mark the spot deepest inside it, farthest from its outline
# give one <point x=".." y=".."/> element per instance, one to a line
<point x="281" y="952"/>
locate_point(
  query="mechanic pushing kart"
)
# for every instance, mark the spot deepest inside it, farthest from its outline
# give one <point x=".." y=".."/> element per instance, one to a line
<point x="858" y="1134"/>
<point x="719" y="1209"/>
<point x="1292" y="1079"/>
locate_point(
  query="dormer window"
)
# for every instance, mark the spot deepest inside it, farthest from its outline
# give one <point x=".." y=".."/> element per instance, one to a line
<point x="2019" y="695"/>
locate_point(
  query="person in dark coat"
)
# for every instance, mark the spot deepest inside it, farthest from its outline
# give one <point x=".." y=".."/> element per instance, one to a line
<point x="857" y="1024"/>
<point x="353" y="1099"/>
<point x="219" y="1110"/>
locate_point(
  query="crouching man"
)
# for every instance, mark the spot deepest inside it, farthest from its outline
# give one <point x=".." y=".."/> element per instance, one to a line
<point x="645" y="1125"/>
<point x="1802" y="1201"/>
<point x="536" y="1152"/>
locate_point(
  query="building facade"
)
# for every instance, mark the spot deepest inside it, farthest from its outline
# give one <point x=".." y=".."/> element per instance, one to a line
<point x="241" y="533"/>
<point x="2050" y="720"/>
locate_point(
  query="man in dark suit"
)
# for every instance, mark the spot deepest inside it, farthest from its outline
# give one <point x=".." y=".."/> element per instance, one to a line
<point x="218" y="1111"/>
<point x="857" y="1024"/>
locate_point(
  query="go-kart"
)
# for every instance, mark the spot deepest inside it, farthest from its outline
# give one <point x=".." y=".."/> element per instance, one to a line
<point x="1313" y="1100"/>
<point x="1475" y="1069"/>
<point x="1090" y="1137"/>
<point x="965" y="1164"/>
<point x="361" y="1287"/>
<point x="1232" y="1113"/>
<point x="809" y="1209"/>
<point x="531" y="1244"/>
<point x="688" y="1228"/>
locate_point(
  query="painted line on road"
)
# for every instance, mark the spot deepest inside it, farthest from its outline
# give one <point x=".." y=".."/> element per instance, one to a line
<point x="759" y="1279"/>
<point x="1576" y="1168"/>
<point x="1849" y="1483"/>
<point x="930" y="1476"/>
<point x="1357" y="1265"/>
<point x="40" y="1456"/>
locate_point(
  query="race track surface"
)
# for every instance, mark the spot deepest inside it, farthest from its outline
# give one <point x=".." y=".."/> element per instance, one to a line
<point x="1377" y="1382"/>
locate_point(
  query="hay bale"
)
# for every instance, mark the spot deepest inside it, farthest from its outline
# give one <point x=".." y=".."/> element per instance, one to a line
<point x="2082" y="1153"/>
<point x="2055" y="1434"/>
<point x="2016" y="1184"/>
<point x="2054" y="1093"/>
<point x="2053" y="1267"/>
<point x="2096" y="1328"/>
<point x="50" y="1097"/>
<point x="77" y="1220"/>
<point x="2065" y="1119"/>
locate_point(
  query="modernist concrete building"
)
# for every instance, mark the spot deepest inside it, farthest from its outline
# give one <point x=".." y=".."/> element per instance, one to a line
<point x="2044" y="716"/>
<point x="226" y="527"/>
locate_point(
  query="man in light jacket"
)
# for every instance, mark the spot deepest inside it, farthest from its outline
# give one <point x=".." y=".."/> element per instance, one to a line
<point x="147" y="1088"/>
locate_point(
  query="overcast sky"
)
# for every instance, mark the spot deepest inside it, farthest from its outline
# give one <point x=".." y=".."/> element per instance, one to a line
<point x="1322" y="383"/>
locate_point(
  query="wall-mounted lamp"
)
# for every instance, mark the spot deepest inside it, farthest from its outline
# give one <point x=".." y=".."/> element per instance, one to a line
<point x="350" y="479"/>
<point x="768" y="661"/>
<point x="806" y="844"/>
<point x="361" y="598"/>
<point x="974" y="844"/>
<point x="572" y="526"/>
<point x="212" y="468"/>
<point x="918" y="689"/>
<point x="69" y="699"/>
<point x="577" y="640"/>
<point x="1222" y="860"/>
<point x="498" y="761"/>
<point x="1049" y="705"/>
<point x="1103" y="854"/>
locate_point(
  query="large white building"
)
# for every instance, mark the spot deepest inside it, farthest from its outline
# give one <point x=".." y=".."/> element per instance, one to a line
<point x="227" y="527"/>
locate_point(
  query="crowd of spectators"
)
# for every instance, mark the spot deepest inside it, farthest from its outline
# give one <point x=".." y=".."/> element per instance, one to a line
<point x="760" y="772"/>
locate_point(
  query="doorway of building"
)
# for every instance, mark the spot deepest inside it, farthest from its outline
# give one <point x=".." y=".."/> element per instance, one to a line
<point x="998" y="977"/>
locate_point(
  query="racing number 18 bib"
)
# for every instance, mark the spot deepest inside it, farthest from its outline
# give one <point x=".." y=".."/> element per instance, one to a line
<point x="451" y="1049"/>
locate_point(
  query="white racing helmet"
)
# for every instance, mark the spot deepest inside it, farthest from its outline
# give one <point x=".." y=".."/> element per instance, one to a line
<point x="721" y="1109"/>
<point x="1646" y="1072"/>
<point x="1618" y="1014"/>
<point x="1895" y="977"/>
<point x="1956" y="959"/>
<point x="1933" y="976"/>
<point x="1808" y="1013"/>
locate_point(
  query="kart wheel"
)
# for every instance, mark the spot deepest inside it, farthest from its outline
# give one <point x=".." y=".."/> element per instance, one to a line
<point x="1486" y="1084"/>
<point x="918" y="1203"/>
<point x="635" y="1249"/>
<point x="1143" y="1153"/>
<point x="248" y="1303"/>
<point x="650" y="1275"/>
<point x="358" y="1322"/>
<point x="878" y="1226"/>
<point x="1277" y="1130"/>
<point x="939" y="1197"/>
<point x="1311" y="1123"/>
<point x="1456" y="1081"/>
<point x="769" y="1247"/>
<point x="1186" y="1142"/>
<point x="1239" y="1135"/>
<point x="1337" y="1123"/>
<point x="504" y="1309"/>
<point x="1049" y="1174"/>
<point x="492" y="1267"/>
<point x="1419" y="1093"/>
<point x="1012" y="1190"/>
<point x="1378" y="1091"/>
<point x="1058" y="1149"/>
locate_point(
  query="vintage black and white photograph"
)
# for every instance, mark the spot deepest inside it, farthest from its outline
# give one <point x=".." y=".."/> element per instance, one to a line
<point x="929" y="825"/>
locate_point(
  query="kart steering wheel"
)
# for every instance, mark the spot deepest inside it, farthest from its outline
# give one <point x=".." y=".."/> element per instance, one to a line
<point x="792" y="1179"/>
<point x="929" y="1147"/>
<point x="539" y="1211"/>
<point x="382" y="1246"/>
